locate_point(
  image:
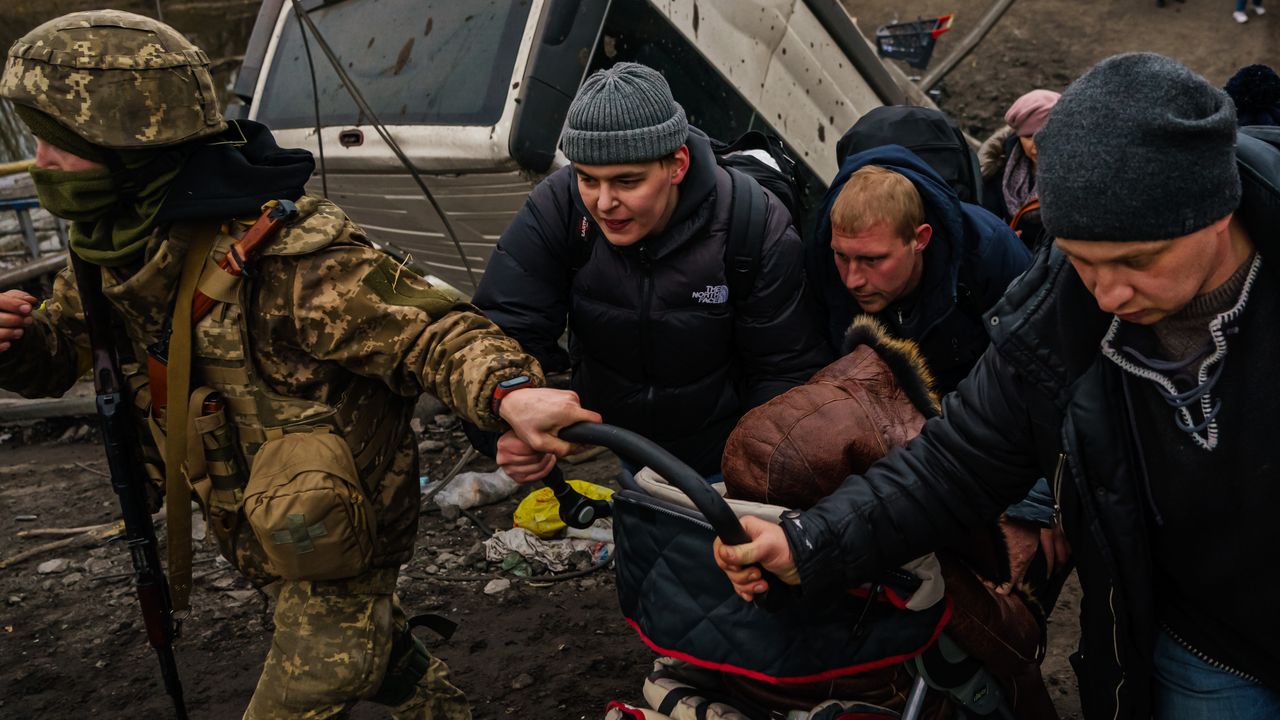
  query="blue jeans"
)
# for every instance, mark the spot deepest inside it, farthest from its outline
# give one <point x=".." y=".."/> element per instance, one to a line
<point x="1240" y="4"/>
<point x="1188" y="688"/>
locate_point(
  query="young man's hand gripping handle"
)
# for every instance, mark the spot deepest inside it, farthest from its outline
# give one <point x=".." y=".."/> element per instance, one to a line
<point x="768" y="549"/>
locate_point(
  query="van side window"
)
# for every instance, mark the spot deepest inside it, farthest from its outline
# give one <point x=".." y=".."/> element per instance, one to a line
<point x="430" y="62"/>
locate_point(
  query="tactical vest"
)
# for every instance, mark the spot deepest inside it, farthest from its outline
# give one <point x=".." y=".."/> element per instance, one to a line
<point x="222" y="361"/>
<point x="370" y="418"/>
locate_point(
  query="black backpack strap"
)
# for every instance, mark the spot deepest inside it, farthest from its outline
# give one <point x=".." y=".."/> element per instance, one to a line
<point x="972" y="166"/>
<point x="745" y="243"/>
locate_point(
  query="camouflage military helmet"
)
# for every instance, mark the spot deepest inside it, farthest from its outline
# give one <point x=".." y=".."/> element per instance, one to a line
<point x="116" y="79"/>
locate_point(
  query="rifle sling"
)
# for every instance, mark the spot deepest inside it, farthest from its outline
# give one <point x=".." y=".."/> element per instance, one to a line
<point x="177" y="499"/>
<point x="218" y="284"/>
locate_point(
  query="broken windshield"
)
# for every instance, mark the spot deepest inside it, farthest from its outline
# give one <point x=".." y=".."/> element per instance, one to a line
<point x="434" y="62"/>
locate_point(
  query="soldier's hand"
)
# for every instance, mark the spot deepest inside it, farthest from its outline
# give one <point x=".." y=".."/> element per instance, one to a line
<point x="768" y="548"/>
<point x="521" y="462"/>
<point x="15" y="316"/>
<point x="537" y="414"/>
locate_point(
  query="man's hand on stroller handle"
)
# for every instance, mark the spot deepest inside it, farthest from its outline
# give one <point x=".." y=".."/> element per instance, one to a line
<point x="521" y="462"/>
<point x="768" y="548"/>
<point x="536" y="416"/>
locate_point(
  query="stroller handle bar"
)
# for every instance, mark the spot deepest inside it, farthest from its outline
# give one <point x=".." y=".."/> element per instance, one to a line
<point x="639" y="450"/>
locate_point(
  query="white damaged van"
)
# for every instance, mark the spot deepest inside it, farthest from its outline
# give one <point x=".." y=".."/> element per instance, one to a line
<point x="475" y="93"/>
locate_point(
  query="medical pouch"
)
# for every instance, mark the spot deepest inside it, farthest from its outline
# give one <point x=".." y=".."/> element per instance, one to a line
<point x="307" y="508"/>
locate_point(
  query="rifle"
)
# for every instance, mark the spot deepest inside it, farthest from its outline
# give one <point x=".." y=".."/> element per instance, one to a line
<point x="119" y="435"/>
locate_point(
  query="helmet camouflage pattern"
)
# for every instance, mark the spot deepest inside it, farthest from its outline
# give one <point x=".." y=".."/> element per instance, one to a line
<point x="116" y="79"/>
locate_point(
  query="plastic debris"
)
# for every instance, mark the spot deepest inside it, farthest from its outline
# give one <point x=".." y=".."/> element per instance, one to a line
<point x="601" y="531"/>
<point x="473" y="489"/>
<point x="539" y="513"/>
<point x="557" y="555"/>
<point x="601" y="552"/>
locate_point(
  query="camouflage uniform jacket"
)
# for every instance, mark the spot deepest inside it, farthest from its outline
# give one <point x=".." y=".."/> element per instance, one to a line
<point x="330" y="321"/>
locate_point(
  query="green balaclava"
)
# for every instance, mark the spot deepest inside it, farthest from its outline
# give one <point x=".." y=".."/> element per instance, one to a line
<point x="112" y="208"/>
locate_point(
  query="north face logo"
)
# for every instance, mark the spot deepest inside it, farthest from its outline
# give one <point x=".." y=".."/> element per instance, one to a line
<point x="713" y="295"/>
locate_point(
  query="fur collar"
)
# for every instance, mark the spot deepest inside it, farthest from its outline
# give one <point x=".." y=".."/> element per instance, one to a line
<point x="903" y="358"/>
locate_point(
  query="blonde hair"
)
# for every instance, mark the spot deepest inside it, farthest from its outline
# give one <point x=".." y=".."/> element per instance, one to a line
<point x="877" y="195"/>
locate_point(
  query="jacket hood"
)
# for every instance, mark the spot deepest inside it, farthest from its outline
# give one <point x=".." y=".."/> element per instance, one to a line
<point x="699" y="183"/>
<point x="959" y="229"/>
<point x="234" y="173"/>
<point x="693" y="206"/>
<point x="941" y="210"/>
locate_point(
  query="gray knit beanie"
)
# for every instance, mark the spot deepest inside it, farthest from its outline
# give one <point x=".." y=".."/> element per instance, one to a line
<point x="623" y="114"/>
<point x="1139" y="148"/>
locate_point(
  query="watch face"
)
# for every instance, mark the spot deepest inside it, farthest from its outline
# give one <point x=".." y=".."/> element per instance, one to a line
<point x="514" y="382"/>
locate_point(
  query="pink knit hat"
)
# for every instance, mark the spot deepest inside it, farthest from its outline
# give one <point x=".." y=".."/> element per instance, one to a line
<point x="1028" y="113"/>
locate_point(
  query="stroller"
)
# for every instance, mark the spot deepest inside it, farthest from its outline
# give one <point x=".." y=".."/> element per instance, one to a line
<point x="675" y="597"/>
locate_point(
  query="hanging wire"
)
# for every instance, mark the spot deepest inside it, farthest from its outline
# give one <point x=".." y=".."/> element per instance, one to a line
<point x="315" y="100"/>
<point x="365" y="108"/>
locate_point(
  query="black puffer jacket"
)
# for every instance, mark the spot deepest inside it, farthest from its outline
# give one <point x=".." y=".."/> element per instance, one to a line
<point x="1043" y="400"/>
<point x="657" y="346"/>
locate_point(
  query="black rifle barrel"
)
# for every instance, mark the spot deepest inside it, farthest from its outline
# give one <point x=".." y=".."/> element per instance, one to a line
<point x="119" y="435"/>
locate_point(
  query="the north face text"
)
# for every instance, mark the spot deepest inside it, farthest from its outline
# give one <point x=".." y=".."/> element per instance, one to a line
<point x="713" y="295"/>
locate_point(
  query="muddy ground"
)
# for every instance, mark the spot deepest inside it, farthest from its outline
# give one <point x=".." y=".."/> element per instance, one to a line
<point x="71" y="642"/>
<point x="1048" y="43"/>
<point x="71" y="638"/>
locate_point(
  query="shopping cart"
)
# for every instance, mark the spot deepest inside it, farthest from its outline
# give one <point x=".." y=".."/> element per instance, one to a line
<point x="912" y="42"/>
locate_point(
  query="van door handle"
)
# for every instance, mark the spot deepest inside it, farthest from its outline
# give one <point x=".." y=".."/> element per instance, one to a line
<point x="351" y="137"/>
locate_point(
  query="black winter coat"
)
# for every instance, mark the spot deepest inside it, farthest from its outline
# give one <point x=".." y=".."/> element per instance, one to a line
<point x="656" y="344"/>
<point x="1042" y="401"/>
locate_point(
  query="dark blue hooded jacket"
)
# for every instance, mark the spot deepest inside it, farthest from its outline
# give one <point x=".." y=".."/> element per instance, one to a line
<point x="971" y="259"/>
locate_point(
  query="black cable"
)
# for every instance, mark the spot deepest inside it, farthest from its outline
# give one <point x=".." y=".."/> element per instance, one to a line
<point x="315" y="99"/>
<point x="476" y="519"/>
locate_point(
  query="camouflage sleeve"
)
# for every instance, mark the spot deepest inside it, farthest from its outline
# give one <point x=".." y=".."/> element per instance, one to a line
<point x="54" y="351"/>
<point x="357" y="307"/>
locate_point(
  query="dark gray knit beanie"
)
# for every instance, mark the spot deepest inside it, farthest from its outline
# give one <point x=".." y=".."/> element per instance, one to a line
<point x="1139" y="148"/>
<point x="623" y="114"/>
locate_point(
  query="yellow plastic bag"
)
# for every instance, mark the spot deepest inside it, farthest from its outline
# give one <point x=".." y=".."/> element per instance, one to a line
<point x="539" y="513"/>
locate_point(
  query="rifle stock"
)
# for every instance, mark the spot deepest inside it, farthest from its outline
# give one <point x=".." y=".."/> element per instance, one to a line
<point x="119" y="435"/>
